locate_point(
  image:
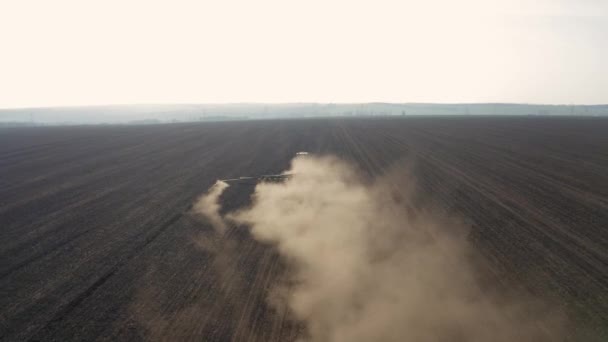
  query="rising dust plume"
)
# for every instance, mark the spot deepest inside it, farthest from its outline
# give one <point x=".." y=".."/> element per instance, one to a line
<point x="366" y="264"/>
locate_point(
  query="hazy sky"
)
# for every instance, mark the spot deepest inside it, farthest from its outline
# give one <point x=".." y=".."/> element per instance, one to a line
<point x="80" y="52"/>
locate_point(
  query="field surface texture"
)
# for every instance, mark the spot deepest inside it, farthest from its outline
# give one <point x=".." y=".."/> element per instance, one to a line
<point x="98" y="241"/>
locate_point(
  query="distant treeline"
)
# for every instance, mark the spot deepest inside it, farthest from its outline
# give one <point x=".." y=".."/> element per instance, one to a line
<point x="17" y="124"/>
<point x="153" y="114"/>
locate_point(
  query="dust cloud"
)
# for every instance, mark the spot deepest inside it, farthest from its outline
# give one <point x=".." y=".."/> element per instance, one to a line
<point x="368" y="264"/>
<point x="208" y="205"/>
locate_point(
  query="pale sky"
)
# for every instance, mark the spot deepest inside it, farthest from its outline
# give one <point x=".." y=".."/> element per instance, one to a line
<point x="80" y="52"/>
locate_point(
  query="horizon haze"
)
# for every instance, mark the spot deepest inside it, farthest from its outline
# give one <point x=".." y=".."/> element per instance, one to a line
<point x="171" y="113"/>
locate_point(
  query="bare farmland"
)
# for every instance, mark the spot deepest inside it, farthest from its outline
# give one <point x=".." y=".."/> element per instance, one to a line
<point x="98" y="242"/>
